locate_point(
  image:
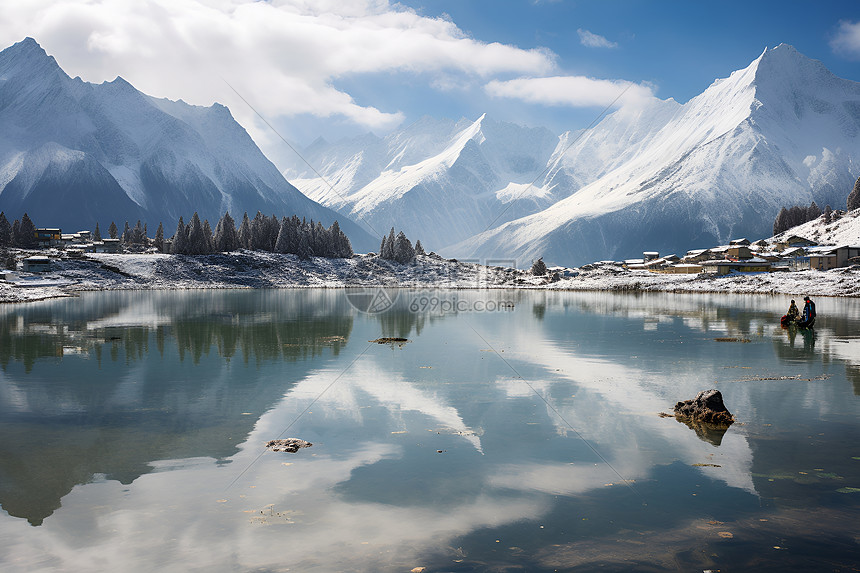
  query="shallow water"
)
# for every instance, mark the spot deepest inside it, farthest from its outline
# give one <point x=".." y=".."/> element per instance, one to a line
<point x="515" y="430"/>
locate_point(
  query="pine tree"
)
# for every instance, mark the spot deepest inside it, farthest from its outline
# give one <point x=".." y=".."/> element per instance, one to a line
<point x="341" y="246"/>
<point x="97" y="235"/>
<point x="295" y="230"/>
<point x="112" y="230"/>
<point x="16" y="233"/>
<point x="390" y="245"/>
<point x="5" y="231"/>
<point x="159" y="238"/>
<point x="27" y="233"/>
<point x="796" y="216"/>
<point x="419" y="248"/>
<point x="854" y="196"/>
<point x="273" y="227"/>
<point x="226" y="237"/>
<point x="403" y="251"/>
<point x="180" y="241"/>
<point x="304" y="249"/>
<point x="245" y="236"/>
<point x="382" y="247"/>
<point x="126" y="235"/>
<point x="210" y="238"/>
<point x="780" y="224"/>
<point x="539" y="267"/>
<point x="813" y="212"/>
<point x="196" y="239"/>
<point x="138" y="237"/>
<point x="828" y="214"/>
<point x="283" y="242"/>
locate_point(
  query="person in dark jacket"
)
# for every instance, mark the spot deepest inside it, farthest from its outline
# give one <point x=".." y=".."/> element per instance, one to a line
<point x="807" y="318"/>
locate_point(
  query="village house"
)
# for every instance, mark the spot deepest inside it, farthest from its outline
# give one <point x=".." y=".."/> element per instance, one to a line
<point x="794" y="241"/>
<point x="48" y="237"/>
<point x="739" y="252"/>
<point x="724" y="267"/>
<point x="697" y="256"/>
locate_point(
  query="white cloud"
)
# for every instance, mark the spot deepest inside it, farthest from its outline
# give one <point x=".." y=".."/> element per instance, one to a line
<point x="284" y="56"/>
<point x="591" y="40"/>
<point x="847" y="39"/>
<point x="571" y="91"/>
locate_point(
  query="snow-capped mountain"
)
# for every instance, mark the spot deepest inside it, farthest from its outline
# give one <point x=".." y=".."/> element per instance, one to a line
<point x="74" y="153"/>
<point x="441" y="181"/>
<point x="666" y="176"/>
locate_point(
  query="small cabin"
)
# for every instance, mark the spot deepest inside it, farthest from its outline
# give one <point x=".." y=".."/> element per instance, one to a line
<point x="723" y="267"/>
<point x="108" y="246"/>
<point x="37" y="264"/>
<point x="795" y="241"/>
<point x="739" y="252"/>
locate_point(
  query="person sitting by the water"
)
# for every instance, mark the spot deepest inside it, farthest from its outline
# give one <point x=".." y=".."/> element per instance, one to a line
<point x="807" y="319"/>
<point x="793" y="314"/>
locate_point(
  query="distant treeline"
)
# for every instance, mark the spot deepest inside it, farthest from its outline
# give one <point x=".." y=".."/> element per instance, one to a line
<point x="287" y="235"/>
<point x="798" y="215"/>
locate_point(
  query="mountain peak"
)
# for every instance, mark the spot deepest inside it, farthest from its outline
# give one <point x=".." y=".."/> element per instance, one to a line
<point x="28" y="57"/>
<point x="788" y="67"/>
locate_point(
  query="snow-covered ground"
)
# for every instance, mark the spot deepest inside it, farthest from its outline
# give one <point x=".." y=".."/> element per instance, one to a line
<point x="245" y="269"/>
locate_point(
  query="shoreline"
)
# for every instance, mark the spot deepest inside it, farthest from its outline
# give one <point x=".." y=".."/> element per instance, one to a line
<point x="259" y="270"/>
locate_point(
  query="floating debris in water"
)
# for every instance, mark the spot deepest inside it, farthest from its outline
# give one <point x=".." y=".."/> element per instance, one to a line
<point x="732" y="339"/>
<point x="796" y="377"/>
<point x="290" y="445"/>
<point x="391" y="341"/>
<point x="707" y="466"/>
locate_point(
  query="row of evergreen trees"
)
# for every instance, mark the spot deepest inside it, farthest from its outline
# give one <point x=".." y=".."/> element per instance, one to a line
<point x="21" y="234"/>
<point x="399" y="248"/>
<point x="797" y="215"/>
<point x="288" y="235"/>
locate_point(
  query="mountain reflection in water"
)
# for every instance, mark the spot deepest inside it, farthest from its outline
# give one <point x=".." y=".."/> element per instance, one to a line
<point x="133" y="428"/>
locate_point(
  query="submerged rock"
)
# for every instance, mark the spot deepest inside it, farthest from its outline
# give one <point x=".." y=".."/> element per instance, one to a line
<point x="291" y="445"/>
<point x="706" y="408"/>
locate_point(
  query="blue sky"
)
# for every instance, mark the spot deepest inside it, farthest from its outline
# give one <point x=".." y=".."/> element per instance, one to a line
<point x="334" y="68"/>
<point x="678" y="47"/>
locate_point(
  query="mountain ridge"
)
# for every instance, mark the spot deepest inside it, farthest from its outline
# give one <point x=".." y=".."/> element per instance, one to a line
<point x="664" y="176"/>
<point x="73" y="153"/>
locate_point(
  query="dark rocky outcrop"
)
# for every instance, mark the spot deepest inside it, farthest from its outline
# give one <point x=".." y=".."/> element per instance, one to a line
<point x="706" y="415"/>
<point x="290" y="445"/>
<point x="707" y="408"/>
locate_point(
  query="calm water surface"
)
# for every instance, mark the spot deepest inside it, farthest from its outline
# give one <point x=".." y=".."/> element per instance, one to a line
<point x="527" y="437"/>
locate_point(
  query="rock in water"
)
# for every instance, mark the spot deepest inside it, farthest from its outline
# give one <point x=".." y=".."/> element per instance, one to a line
<point x="706" y="408"/>
<point x="291" y="445"/>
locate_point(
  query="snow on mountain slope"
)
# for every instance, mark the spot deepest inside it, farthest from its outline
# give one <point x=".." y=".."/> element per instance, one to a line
<point x="782" y="131"/>
<point x="74" y="153"/>
<point x="440" y="181"/>
<point x="843" y="229"/>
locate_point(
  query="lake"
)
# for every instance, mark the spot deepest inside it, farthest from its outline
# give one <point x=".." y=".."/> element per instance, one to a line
<point x="515" y="430"/>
